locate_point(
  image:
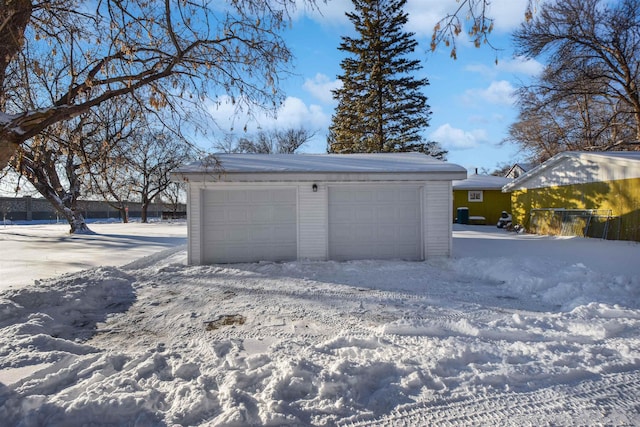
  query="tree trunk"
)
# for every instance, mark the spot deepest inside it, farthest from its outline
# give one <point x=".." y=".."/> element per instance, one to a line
<point x="144" y="208"/>
<point x="77" y="222"/>
<point x="124" y="214"/>
<point x="69" y="210"/>
<point x="48" y="185"/>
<point x="14" y="16"/>
<point x="7" y="150"/>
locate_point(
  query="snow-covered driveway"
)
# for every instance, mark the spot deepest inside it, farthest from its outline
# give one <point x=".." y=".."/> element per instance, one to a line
<point x="514" y="330"/>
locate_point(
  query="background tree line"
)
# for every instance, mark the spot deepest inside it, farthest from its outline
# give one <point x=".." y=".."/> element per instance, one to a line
<point x="588" y="96"/>
<point x="86" y="87"/>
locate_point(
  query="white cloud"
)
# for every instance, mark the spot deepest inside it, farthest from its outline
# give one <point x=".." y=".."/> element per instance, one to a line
<point x="507" y="14"/>
<point x="423" y="15"/>
<point x="321" y="86"/>
<point x="499" y="92"/>
<point x="329" y="13"/>
<point x="518" y="65"/>
<point x="293" y="113"/>
<point x="457" y="139"/>
<point x="521" y="65"/>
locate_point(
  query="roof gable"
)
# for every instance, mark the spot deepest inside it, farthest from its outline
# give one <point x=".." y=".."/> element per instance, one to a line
<point x="579" y="167"/>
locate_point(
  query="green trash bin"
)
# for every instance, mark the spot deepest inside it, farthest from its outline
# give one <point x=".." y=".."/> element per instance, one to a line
<point x="463" y="216"/>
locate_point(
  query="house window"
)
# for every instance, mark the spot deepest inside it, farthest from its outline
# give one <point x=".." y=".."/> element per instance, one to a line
<point x="475" y="195"/>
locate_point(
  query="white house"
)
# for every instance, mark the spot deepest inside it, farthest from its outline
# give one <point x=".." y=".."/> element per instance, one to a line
<point x="279" y="207"/>
<point x="519" y="169"/>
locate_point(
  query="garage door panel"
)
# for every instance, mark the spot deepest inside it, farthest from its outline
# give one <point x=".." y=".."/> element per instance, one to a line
<point x="389" y="234"/>
<point x="259" y="197"/>
<point x="284" y="214"/>
<point x="407" y="214"/>
<point x="230" y="233"/>
<point x="337" y="230"/>
<point x="236" y="196"/>
<point x="365" y="196"/>
<point x="273" y="252"/>
<point x="404" y="195"/>
<point x="406" y="234"/>
<point x="260" y="214"/>
<point x="386" y="195"/>
<point x="272" y="196"/>
<point x="261" y="234"/>
<point x="362" y="234"/>
<point x="287" y="234"/>
<point x="375" y="222"/>
<point x="389" y="215"/>
<point x="343" y="216"/>
<point x="236" y="214"/>
<point x="249" y="225"/>
<point x="363" y="216"/>
<point x="214" y="197"/>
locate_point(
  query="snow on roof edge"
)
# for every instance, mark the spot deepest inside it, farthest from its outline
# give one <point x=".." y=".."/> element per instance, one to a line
<point x="322" y="163"/>
<point x="481" y="182"/>
<point x="597" y="156"/>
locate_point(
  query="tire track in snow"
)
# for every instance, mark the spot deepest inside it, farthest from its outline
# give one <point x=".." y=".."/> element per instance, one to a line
<point x="611" y="399"/>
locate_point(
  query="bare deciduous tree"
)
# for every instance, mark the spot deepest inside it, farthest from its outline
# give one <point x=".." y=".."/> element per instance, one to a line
<point x="54" y="163"/>
<point x="588" y="98"/>
<point x="547" y="126"/>
<point x="177" y="50"/>
<point x="151" y="158"/>
<point x="279" y="141"/>
<point x="140" y="156"/>
<point x="473" y="18"/>
<point x="173" y="197"/>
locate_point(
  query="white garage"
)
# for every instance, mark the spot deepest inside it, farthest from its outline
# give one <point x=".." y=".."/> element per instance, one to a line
<point x="282" y="207"/>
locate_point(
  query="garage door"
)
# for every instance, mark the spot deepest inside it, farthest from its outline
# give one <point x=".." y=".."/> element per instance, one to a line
<point x="249" y="225"/>
<point x="375" y="222"/>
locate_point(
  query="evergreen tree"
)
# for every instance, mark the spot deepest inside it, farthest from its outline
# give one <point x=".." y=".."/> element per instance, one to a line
<point x="380" y="106"/>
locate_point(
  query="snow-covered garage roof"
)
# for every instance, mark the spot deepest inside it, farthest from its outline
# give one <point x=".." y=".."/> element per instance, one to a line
<point x="481" y="182"/>
<point x="580" y="167"/>
<point x="295" y="164"/>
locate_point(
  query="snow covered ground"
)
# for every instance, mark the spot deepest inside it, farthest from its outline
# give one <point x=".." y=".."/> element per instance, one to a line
<point x="41" y="251"/>
<point x="513" y="330"/>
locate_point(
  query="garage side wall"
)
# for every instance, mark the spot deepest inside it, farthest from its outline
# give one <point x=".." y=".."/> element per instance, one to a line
<point x="194" y="226"/>
<point x="438" y="210"/>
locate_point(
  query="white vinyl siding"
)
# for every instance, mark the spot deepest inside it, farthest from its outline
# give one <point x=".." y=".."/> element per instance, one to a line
<point x="249" y="225"/>
<point x="312" y="222"/>
<point x="194" y="229"/>
<point x="375" y="222"/>
<point x="437" y="218"/>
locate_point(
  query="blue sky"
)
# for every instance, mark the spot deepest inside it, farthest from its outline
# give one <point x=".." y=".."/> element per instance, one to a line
<point x="471" y="98"/>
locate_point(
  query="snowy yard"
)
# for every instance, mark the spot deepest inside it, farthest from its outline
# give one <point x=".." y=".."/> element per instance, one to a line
<point x="513" y="330"/>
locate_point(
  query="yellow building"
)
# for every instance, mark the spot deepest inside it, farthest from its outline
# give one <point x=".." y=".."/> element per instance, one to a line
<point x="594" y="194"/>
<point x="483" y="197"/>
